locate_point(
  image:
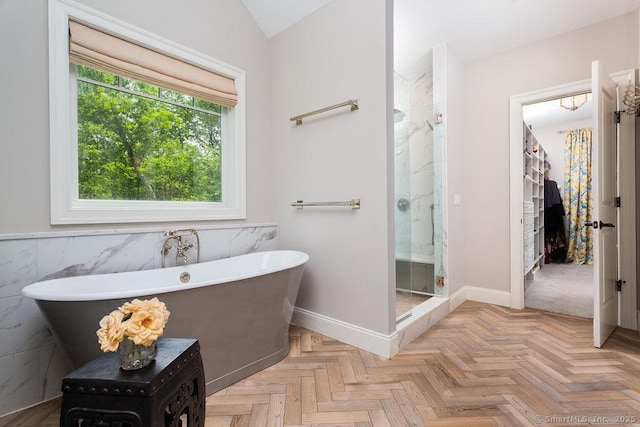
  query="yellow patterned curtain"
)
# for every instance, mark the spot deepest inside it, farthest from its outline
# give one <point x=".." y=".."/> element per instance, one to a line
<point x="578" y="199"/>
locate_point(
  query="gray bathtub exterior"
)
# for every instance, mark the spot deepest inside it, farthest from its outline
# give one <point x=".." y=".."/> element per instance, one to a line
<point x="242" y="325"/>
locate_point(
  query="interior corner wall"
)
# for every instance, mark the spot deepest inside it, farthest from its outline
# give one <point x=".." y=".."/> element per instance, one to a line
<point x="339" y="52"/>
<point x="490" y="82"/>
<point x="223" y="30"/>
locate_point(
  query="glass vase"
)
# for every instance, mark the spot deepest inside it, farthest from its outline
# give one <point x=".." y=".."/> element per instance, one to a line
<point x="136" y="356"/>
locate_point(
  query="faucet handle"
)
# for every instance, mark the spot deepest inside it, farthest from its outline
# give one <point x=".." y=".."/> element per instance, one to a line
<point x="181" y="244"/>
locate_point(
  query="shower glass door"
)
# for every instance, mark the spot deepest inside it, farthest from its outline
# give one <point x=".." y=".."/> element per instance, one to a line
<point x="417" y="208"/>
<point x="419" y="147"/>
<point x="402" y="199"/>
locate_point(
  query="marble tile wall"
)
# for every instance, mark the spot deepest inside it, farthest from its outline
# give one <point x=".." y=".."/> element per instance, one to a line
<point x="441" y="253"/>
<point x="414" y="168"/>
<point x="402" y="165"/>
<point x="422" y="167"/>
<point x="31" y="363"/>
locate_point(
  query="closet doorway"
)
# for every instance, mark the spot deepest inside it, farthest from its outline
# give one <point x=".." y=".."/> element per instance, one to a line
<point x="561" y="280"/>
<point x="627" y="302"/>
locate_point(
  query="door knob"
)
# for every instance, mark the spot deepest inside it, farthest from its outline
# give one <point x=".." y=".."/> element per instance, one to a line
<point x="598" y="224"/>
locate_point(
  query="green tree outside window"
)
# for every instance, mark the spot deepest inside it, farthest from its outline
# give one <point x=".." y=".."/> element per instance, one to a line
<point x="140" y="142"/>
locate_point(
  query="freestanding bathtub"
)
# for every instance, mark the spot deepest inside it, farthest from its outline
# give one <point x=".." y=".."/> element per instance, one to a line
<point x="238" y="308"/>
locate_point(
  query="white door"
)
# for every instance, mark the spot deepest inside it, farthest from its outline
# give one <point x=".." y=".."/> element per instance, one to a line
<point x="605" y="241"/>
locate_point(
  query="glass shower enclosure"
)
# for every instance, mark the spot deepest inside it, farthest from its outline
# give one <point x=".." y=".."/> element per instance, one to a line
<point x="416" y="205"/>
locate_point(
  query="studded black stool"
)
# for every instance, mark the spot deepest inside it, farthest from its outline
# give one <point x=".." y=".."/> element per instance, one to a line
<point x="167" y="393"/>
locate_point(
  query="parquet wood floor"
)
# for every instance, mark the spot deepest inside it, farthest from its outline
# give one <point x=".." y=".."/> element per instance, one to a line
<point x="482" y="365"/>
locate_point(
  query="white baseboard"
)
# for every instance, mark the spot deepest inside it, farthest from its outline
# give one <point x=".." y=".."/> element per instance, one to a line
<point x="347" y="333"/>
<point x="474" y="293"/>
<point x="423" y="318"/>
<point x="389" y="345"/>
<point x="457" y="298"/>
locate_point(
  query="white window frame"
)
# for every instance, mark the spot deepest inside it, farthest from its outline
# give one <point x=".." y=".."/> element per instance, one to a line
<point x="66" y="206"/>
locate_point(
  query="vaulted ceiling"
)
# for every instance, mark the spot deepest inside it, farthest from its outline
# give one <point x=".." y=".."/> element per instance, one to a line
<point x="473" y="29"/>
<point x="274" y="16"/>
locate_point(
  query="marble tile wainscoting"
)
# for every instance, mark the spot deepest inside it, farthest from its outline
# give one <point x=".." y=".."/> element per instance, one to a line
<point x="31" y="363"/>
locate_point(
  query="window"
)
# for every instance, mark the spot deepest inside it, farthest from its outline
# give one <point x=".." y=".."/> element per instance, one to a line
<point x="137" y="141"/>
<point x="125" y="149"/>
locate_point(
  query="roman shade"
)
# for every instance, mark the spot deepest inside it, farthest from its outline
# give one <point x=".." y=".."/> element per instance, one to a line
<point x="102" y="51"/>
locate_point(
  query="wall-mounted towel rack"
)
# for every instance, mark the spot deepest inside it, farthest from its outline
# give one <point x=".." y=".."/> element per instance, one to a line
<point x="352" y="102"/>
<point x="353" y="203"/>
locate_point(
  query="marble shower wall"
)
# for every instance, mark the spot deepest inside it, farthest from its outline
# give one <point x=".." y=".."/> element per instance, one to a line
<point x="441" y="217"/>
<point x="414" y="175"/>
<point x="422" y="167"/>
<point x="402" y="169"/>
<point x="32" y="365"/>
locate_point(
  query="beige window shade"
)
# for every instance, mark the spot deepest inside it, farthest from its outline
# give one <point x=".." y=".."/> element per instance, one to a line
<point x="105" y="52"/>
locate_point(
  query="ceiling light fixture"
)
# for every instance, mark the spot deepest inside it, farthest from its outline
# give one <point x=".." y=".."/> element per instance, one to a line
<point x="574" y="102"/>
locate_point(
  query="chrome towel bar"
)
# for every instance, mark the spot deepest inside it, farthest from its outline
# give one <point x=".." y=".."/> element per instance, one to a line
<point x="352" y="102"/>
<point x="353" y="203"/>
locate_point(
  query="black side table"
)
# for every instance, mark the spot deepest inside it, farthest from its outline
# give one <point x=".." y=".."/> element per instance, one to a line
<point x="167" y="393"/>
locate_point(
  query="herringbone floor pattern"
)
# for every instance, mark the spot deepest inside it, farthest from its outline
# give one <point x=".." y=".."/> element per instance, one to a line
<point x="481" y="365"/>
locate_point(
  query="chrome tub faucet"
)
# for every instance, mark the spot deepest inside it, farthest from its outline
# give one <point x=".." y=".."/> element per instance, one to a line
<point x="177" y="240"/>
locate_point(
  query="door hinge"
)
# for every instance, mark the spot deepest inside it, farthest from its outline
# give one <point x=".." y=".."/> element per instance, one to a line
<point x="618" y="202"/>
<point x="619" y="285"/>
<point x="617" y="116"/>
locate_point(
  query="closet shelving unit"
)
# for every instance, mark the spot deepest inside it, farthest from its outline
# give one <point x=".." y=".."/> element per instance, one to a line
<point x="533" y="168"/>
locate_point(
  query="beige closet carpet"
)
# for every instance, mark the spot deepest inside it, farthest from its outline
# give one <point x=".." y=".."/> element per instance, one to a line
<point x="562" y="288"/>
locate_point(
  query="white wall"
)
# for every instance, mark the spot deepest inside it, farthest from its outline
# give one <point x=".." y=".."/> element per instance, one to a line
<point x="338" y="53"/>
<point x="24" y="116"/>
<point x="223" y="29"/>
<point x="490" y="83"/>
